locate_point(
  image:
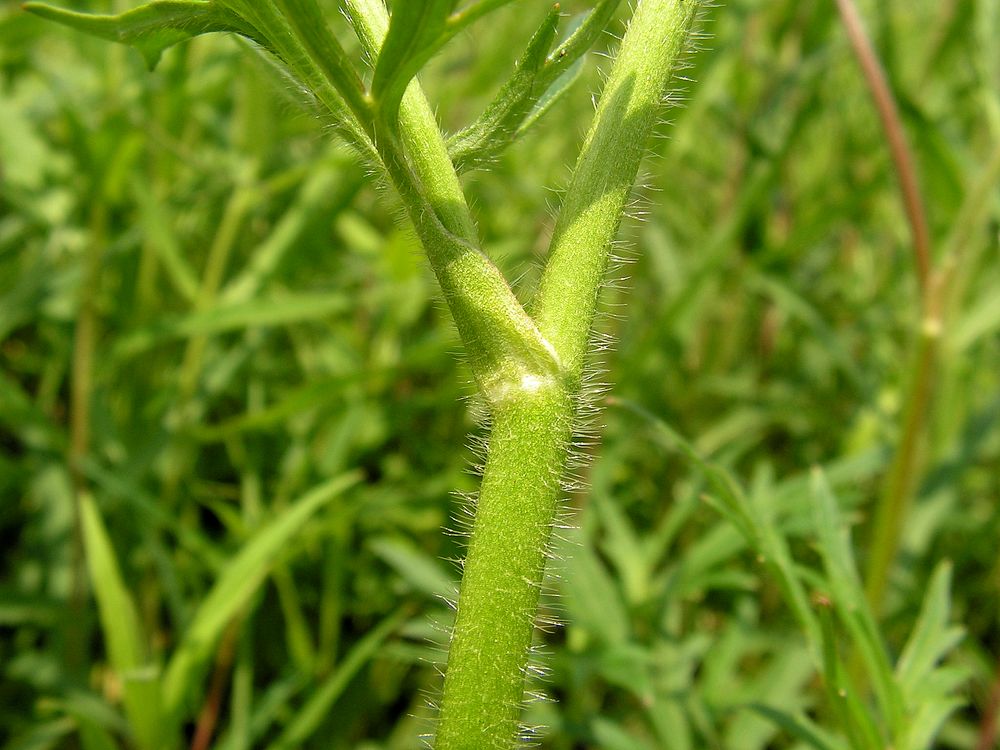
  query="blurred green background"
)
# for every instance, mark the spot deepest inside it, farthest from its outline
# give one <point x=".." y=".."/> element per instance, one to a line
<point x="208" y="308"/>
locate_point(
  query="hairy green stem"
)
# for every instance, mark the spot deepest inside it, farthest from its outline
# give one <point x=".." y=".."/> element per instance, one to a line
<point x="605" y="174"/>
<point x="532" y="422"/>
<point x="484" y="682"/>
<point x="501" y="341"/>
<point x="419" y="132"/>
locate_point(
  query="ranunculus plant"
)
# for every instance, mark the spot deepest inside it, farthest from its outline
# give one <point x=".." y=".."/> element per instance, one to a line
<point x="528" y="363"/>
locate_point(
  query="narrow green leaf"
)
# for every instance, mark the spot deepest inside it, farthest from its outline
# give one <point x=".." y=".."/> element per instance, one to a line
<point x="419" y="570"/>
<point x="590" y="594"/>
<point x="797" y="306"/>
<point x="565" y="63"/>
<point x="297" y="634"/>
<point x="932" y="638"/>
<point x="123" y="635"/>
<point x="93" y="736"/>
<point x="624" y="547"/>
<point x="42" y="736"/>
<point x="417" y="28"/>
<point x="925" y="725"/>
<point x="550" y="96"/>
<point x="260" y="313"/>
<point x="238" y="582"/>
<point x="855" y="722"/>
<point x="759" y="531"/>
<point x="159" y="232"/>
<point x="851" y="603"/>
<point x="495" y="128"/>
<point x="981" y="319"/>
<point x="305" y="723"/>
<point x="799" y="726"/>
<point x="612" y="736"/>
<point x="307" y="22"/>
<point x="150" y="28"/>
<point x="18" y="608"/>
<point x="538" y="81"/>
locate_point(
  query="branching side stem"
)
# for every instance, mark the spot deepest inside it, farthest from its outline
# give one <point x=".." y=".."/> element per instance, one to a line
<point x="605" y="173"/>
<point x="533" y="418"/>
<point x="501" y="340"/>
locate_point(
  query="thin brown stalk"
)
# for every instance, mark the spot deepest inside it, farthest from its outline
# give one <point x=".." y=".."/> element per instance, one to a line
<point x="902" y="158"/>
<point x="900" y="481"/>
<point x="988" y="728"/>
<point x="81" y="389"/>
<point x="208" y="718"/>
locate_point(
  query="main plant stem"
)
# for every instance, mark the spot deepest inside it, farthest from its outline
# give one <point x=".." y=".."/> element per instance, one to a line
<point x="484" y="683"/>
<point x="534" y="414"/>
<point x="528" y="369"/>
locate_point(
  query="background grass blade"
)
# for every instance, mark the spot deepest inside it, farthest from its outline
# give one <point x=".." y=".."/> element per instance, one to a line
<point x="851" y="604"/>
<point x="127" y="645"/>
<point x="239" y="580"/>
<point x="307" y="721"/>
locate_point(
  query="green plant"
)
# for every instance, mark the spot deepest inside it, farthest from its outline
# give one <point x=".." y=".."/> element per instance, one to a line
<point x="935" y="278"/>
<point x="529" y="367"/>
<point x="912" y="697"/>
<point x="208" y="309"/>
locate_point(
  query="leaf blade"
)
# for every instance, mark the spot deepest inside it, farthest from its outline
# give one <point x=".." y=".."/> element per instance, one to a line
<point x="239" y="580"/>
<point x="122" y="632"/>
<point x="499" y="122"/>
<point x="417" y="29"/>
<point x="150" y="28"/>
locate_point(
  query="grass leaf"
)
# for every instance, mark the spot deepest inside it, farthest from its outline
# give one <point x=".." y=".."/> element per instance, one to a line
<point x="759" y="532"/>
<point x="237" y="583"/>
<point x="800" y="727"/>
<point x="932" y="638"/>
<point x="307" y="721"/>
<point x="257" y="313"/>
<point x="123" y="636"/>
<point x="850" y="602"/>
<point x="418" y="569"/>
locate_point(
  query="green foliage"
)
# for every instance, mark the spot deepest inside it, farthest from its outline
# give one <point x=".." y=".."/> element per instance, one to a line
<point x="260" y="322"/>
<point x="237" y="582"/>
<point x="415" y="32"/>
<point x="126" y="643"/>
<point x="150" y="28"/>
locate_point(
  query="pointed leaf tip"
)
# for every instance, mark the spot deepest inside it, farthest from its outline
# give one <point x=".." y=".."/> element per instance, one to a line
<point x="150" y="28"/>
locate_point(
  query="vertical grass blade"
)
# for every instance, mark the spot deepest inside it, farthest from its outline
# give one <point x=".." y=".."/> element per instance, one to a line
<point x="238" y="582"/>
<point x="123" y="636"/>
<point x="850" y="602"/>
<point x="308" y="720"/>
